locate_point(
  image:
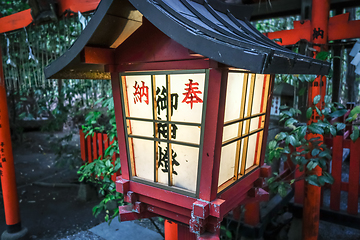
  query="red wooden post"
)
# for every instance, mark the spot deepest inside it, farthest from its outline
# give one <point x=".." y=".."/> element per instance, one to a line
<point x="337" y="154"/>
<point x="7" y="169"/>
<point x="312" y="195"/>
<point x="82" y="146"/>
<point x="171" y="230"/>
<point x="214" y="121"/>
<point x="100" y="145"/>
<point x="252" y="213"/>
<point x="353" y="193"/>
<point x="95" y="147"/>
<point x="89" y="153"/>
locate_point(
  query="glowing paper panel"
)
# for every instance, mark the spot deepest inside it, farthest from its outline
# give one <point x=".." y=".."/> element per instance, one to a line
<point x="244" y="119"/>
<point x="164" y="113"/>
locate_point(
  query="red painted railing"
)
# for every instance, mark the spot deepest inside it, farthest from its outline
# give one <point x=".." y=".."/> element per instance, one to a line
<point x="94" y="146"/>
<point x="341" y="184"/>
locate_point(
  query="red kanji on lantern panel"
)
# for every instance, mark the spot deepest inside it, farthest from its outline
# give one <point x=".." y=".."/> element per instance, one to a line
<point x="191" y="94"/>
<point x="140" y="92"/>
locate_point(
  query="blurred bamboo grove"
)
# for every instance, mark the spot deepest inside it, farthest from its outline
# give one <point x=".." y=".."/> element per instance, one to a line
<point x="32" y="97"/>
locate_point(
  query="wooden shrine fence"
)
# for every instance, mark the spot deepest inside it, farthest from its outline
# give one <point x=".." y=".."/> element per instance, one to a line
<point x="340" y="200"/>
<point x="93" y="147"/>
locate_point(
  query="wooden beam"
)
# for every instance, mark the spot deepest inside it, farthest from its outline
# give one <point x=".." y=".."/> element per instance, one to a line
<point x="22" y="19"/>
<point x="78" y="5"/>
<point x="95" y="55"/>
<point x="339" y="28"/>
<point x="15" y="21"/>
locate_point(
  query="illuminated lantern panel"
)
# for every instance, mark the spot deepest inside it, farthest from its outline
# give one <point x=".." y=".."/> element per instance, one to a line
<point x="163" y="115"/>
<point x="245" y="110"/>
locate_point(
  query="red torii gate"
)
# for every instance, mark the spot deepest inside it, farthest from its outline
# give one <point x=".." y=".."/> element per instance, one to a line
<point x="319" y="30"/>
<point x="7" y="172"/>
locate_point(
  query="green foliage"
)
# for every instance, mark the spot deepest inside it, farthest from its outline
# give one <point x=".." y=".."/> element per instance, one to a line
<point x="311" y="152"/>
<point x="99" y="171"/>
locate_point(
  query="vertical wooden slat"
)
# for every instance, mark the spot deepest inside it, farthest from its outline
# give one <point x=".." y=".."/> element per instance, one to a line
<point x="353" y="194"/>
<point x="170" y="165"/>
<point x="82" y="146"/>
<point x="89" y="152"/>
<point x="95" y="147"/>
<point x="247" y="124"/>
<point x="263" y="106"/>
<point x="115" y="81"/>
<point x="100" y="145"/>
<point x="213" y="129"/>
<point x="242" y="110"/>
<point x="155" y="129"/>
<point x="337" y="154"/>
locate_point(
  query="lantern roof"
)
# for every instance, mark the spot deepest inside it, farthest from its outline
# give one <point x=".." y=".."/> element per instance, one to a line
<point x="211" y="28"/>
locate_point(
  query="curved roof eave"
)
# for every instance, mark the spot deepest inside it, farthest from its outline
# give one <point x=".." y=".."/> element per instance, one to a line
<point x="99" y="32"/>
<point x="237" y="42"/>
<point x="199" y="25"/>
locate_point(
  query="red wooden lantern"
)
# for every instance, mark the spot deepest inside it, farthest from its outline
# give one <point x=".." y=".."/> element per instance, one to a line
<point x="191" y="84"/>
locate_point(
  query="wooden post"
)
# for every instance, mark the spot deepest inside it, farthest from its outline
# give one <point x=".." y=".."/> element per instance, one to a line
<point x="312" y="195"/>
<point x="7" y="169"/>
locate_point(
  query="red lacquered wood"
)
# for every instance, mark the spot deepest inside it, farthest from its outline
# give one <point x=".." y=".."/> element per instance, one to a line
<point x="172" y="65"/>
<point x="95" y="146"/>
<point x="184" y="233"/>
<point x="354" y="169"/>
<point x="241" y="185"/>
<point x="95" y="55"/>
<point x="214" y="119"/>
<point x="168" y="214"/>
<point x="165" y="205"/>
<point x="82" y="146"/>
<point x="78" y="5"/>
<point x="252" y="213"/>
<point x="339" y="28"/>
<point x="115" y="81"/>
<point x="299" y="188"/>
<point x="170" y="230"/>
<point x="15" y="21"/>
<point x="158" y="48"/>
<point x="162" y="195"/>
<point x="89" y="152"/>
<point x="100" y="145"/>
<point x="337" y="154"/>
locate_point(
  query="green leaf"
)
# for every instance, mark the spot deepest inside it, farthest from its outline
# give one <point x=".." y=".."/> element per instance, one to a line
<point x="338" y="113"/>
<point x="340" y="126"/>
<point x="228" y="234"/>
<point x="315" y="152"/>
<point x="280" y="136"/>
<point x="291" y="140"/>
<point x="327" y="99"/>
<point x="318" y="111"/>
<point x="355" y="110"/>
<point x="309" y="113"/>
<point x="322" y="55"/>
<point x="312" y="179"/>
<point x="311" y="165"/>
<point x="317" y="99"/>
<point x="333" y="130"/>
<point x="272" y="144"/>
<point x="302" y="132"/>
<point x="355" y="134"/>
<point x="290" y="121"/>
<point x="315" y="129"/>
